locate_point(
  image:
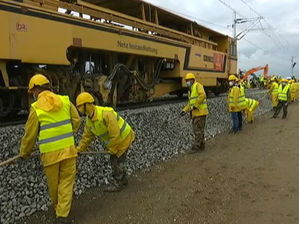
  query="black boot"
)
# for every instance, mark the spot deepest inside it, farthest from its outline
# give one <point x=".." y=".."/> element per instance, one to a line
<point x="124" y="181"/>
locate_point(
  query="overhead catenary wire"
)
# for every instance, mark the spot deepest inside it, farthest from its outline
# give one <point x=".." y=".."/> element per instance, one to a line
<point x="268" y="30"/>
<point x="276" y="36"/>
<point x="256" y="46"/>
<point x="233" y="9"/>
<point x="191" y="17"/>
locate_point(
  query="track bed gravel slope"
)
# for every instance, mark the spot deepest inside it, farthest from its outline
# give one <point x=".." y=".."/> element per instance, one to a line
<point x="251" y="177"/>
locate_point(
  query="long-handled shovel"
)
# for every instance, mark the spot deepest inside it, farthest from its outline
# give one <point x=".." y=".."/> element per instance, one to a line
<point x="10" y="160"/>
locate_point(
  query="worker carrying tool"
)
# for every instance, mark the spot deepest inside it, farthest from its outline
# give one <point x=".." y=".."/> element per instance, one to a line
<point x="283" y="98"/>
<point x="251" y="106"/>
<point x="236" y="103"/>
<point x="54" y="119"/>
<point x="197" y="106"/>
<point x="111" y="129"/>
<point x="273" y="91"/>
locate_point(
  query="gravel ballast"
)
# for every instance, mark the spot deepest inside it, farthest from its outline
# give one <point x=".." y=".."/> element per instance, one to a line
<point x="160" y="134"/>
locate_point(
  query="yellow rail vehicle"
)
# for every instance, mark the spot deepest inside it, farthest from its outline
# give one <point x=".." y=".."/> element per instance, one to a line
<point x="121" y="51"/>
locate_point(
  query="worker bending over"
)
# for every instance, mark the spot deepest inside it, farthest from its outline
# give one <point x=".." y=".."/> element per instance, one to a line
<point x="251" y="106"/>
<point x="198" y="107"/>
<point x="54" y="119"/>
<point x="111" y="129"/>
<point x="283" y="98"/>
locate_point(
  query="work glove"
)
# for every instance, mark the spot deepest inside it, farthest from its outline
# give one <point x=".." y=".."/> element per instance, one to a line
<point x="78" y="150"/>
<point x="182" y="113"/>
<point x="24" y="156"/>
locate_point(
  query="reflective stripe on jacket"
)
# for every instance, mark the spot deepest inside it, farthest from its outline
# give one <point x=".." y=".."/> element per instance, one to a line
<point x="274" y="88"/>
<point x="98" y="127"/>
<point x="283" y="93"/>
<point x="193" y="96"/>
<point x="242" y="98"/>
<point x="251" y="104"/>
<point x="233" y="97"/>
<point x="55" y="127"/>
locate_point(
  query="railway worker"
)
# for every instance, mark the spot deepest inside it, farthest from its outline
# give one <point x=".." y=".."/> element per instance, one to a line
<point x="251" y="106"/>
<point x="294" y="90"/>
<point x="248" y="86"/>
<point x="242" y="83"/>
<point x="241" y="103"/>
<point x="297" y="89"/>
<point x="283" y="98"/>
<point x="111" y="129"/>
<point x="273" y="91"/>
<point x="53" y="118"/>
<point x="261" y="81"/>
<point x="197" y="105"/>
<point x="234" y="102"/>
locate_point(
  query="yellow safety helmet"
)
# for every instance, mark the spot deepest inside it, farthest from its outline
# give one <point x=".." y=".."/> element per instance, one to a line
<point x="83" y="98"/>
<point x="37" y="80"/>
<point x="291" y="81"/>
<point x="273" y="79"/>
<point x="284" y="80"/>
<point x="232" y="78"/>
<point x="189" y="76"/>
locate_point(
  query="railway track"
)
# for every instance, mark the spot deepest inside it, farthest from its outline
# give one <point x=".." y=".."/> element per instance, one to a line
<point x="13" y="121"/>
<point x="21" y="119"/>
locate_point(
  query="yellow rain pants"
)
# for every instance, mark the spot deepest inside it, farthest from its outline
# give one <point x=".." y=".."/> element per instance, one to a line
<point x="60" y="179"/>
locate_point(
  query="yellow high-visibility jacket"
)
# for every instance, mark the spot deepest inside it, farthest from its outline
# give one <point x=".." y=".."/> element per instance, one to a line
<point x="197" y="99"/>
<point x="117" y="143"/>
<point x="242" y="98"/>
<point x="273" y="89"/>
<point x="252" y="104"/>
<point x="284" y="93"/>
<point x="293" y="87"/>
<point x="233" y="99"/>
<point x="47" y="101"/>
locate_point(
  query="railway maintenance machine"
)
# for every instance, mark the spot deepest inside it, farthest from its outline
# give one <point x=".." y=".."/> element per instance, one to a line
<point x="121" y="51"/>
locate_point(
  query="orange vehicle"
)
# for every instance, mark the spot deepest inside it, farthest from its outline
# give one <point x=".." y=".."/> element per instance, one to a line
<point x="253" y="70"/>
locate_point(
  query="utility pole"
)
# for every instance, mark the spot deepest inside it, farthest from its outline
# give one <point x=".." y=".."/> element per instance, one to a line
<point x="234" y="24"/>
<point x="236" y="21"/>
<point x="293" y="64"/>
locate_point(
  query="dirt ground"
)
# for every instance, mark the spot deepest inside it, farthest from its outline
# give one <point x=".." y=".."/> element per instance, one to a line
<point x="251" y="177"/>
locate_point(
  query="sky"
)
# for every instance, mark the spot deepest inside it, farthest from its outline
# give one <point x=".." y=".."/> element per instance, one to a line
<point x="272" y="40"/>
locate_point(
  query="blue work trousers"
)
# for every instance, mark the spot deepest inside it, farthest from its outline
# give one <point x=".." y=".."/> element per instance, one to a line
<point x="237" y="121"/>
